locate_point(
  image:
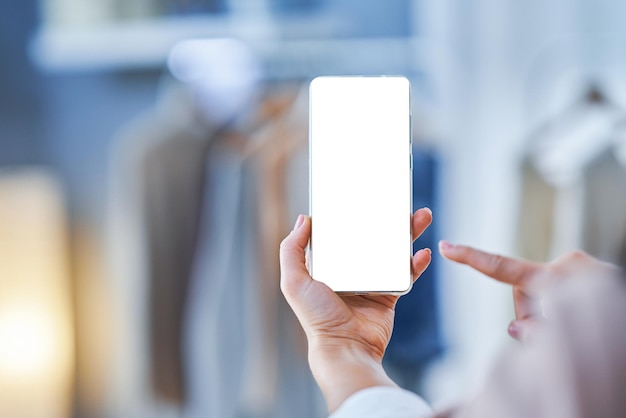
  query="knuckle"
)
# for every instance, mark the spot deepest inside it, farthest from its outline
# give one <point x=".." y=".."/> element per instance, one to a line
<point x="568" y="261"/>
<point x="497" y="263"/>
<point x="465" y="253"/>
<point x="555" y="270"/>
<point x="577" y="255"/>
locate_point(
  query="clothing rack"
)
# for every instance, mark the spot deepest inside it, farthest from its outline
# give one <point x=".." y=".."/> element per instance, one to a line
<point x="146" y="45"/>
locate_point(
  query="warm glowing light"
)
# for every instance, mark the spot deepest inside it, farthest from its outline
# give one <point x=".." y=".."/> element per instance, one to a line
<point x="28" y="346"/>
<point x="36" y="332"/>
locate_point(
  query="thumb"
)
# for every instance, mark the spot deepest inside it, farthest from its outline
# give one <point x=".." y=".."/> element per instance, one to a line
<point x="294" y="274"/>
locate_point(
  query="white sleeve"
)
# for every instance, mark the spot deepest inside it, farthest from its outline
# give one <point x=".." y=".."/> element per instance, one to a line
<point x="383" y="402"/>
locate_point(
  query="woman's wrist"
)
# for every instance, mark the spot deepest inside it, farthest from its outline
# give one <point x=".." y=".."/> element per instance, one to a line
<point x="343" y="369"/>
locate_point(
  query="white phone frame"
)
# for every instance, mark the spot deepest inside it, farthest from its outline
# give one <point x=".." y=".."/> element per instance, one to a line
<point x="409" y="242"/>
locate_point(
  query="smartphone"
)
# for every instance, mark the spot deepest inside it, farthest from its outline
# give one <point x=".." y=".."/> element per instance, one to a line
<point x="360" y="184"/>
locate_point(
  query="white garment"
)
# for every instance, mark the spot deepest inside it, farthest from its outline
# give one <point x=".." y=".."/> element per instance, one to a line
<point x="213" y="334"/>
<point x="383" y="402"/>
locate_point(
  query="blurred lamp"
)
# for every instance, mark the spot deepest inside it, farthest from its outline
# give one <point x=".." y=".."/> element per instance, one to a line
<point x="36" y="333"/>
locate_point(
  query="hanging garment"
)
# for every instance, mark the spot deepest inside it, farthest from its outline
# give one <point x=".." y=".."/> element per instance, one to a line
<point x="158" y="176"/>
<point x="266" y="214"/>
<point x="416" y="338"/>
<point x="552" y="195"/>
<point x="536" y="225"/>
<point x="214" y="333"/>
<point x="550" y="217"/>
<point x="173" y="191"/>
<point x="241" y="338"/>
<point x="271" y="391"/>
<point x="267" y="163"/>
<point x="604" y="219"/>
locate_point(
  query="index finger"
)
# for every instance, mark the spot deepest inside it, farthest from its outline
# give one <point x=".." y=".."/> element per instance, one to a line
<point x="504" y="269"/>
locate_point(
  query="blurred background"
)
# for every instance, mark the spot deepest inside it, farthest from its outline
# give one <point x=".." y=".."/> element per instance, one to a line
<point x="153" y="153"/>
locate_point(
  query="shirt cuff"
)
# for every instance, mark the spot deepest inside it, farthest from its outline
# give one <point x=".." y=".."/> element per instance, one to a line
<point x="383" y="402"/>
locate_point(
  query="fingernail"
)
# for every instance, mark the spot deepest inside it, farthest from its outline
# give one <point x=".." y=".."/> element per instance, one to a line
<point x="514" y="330"/>
<point x="428" y="210"/>
<point x="445" y="245"/>
<point x="299" y="222"/>
<point x="426" y="250"/>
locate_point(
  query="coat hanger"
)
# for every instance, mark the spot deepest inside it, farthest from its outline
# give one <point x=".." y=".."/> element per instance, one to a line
<point x="595" y="95"/>
<point x="277" y="110"/>
<point x="566" y="143"/>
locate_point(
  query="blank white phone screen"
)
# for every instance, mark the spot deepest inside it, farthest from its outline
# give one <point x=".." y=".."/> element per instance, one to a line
<point x="360" y="183"/>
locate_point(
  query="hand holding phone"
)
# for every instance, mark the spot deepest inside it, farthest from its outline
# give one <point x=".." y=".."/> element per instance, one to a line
<point x="347" y="334"/>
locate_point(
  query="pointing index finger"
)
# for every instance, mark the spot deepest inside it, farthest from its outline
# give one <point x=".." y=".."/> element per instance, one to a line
<point x="504" y="269"/>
